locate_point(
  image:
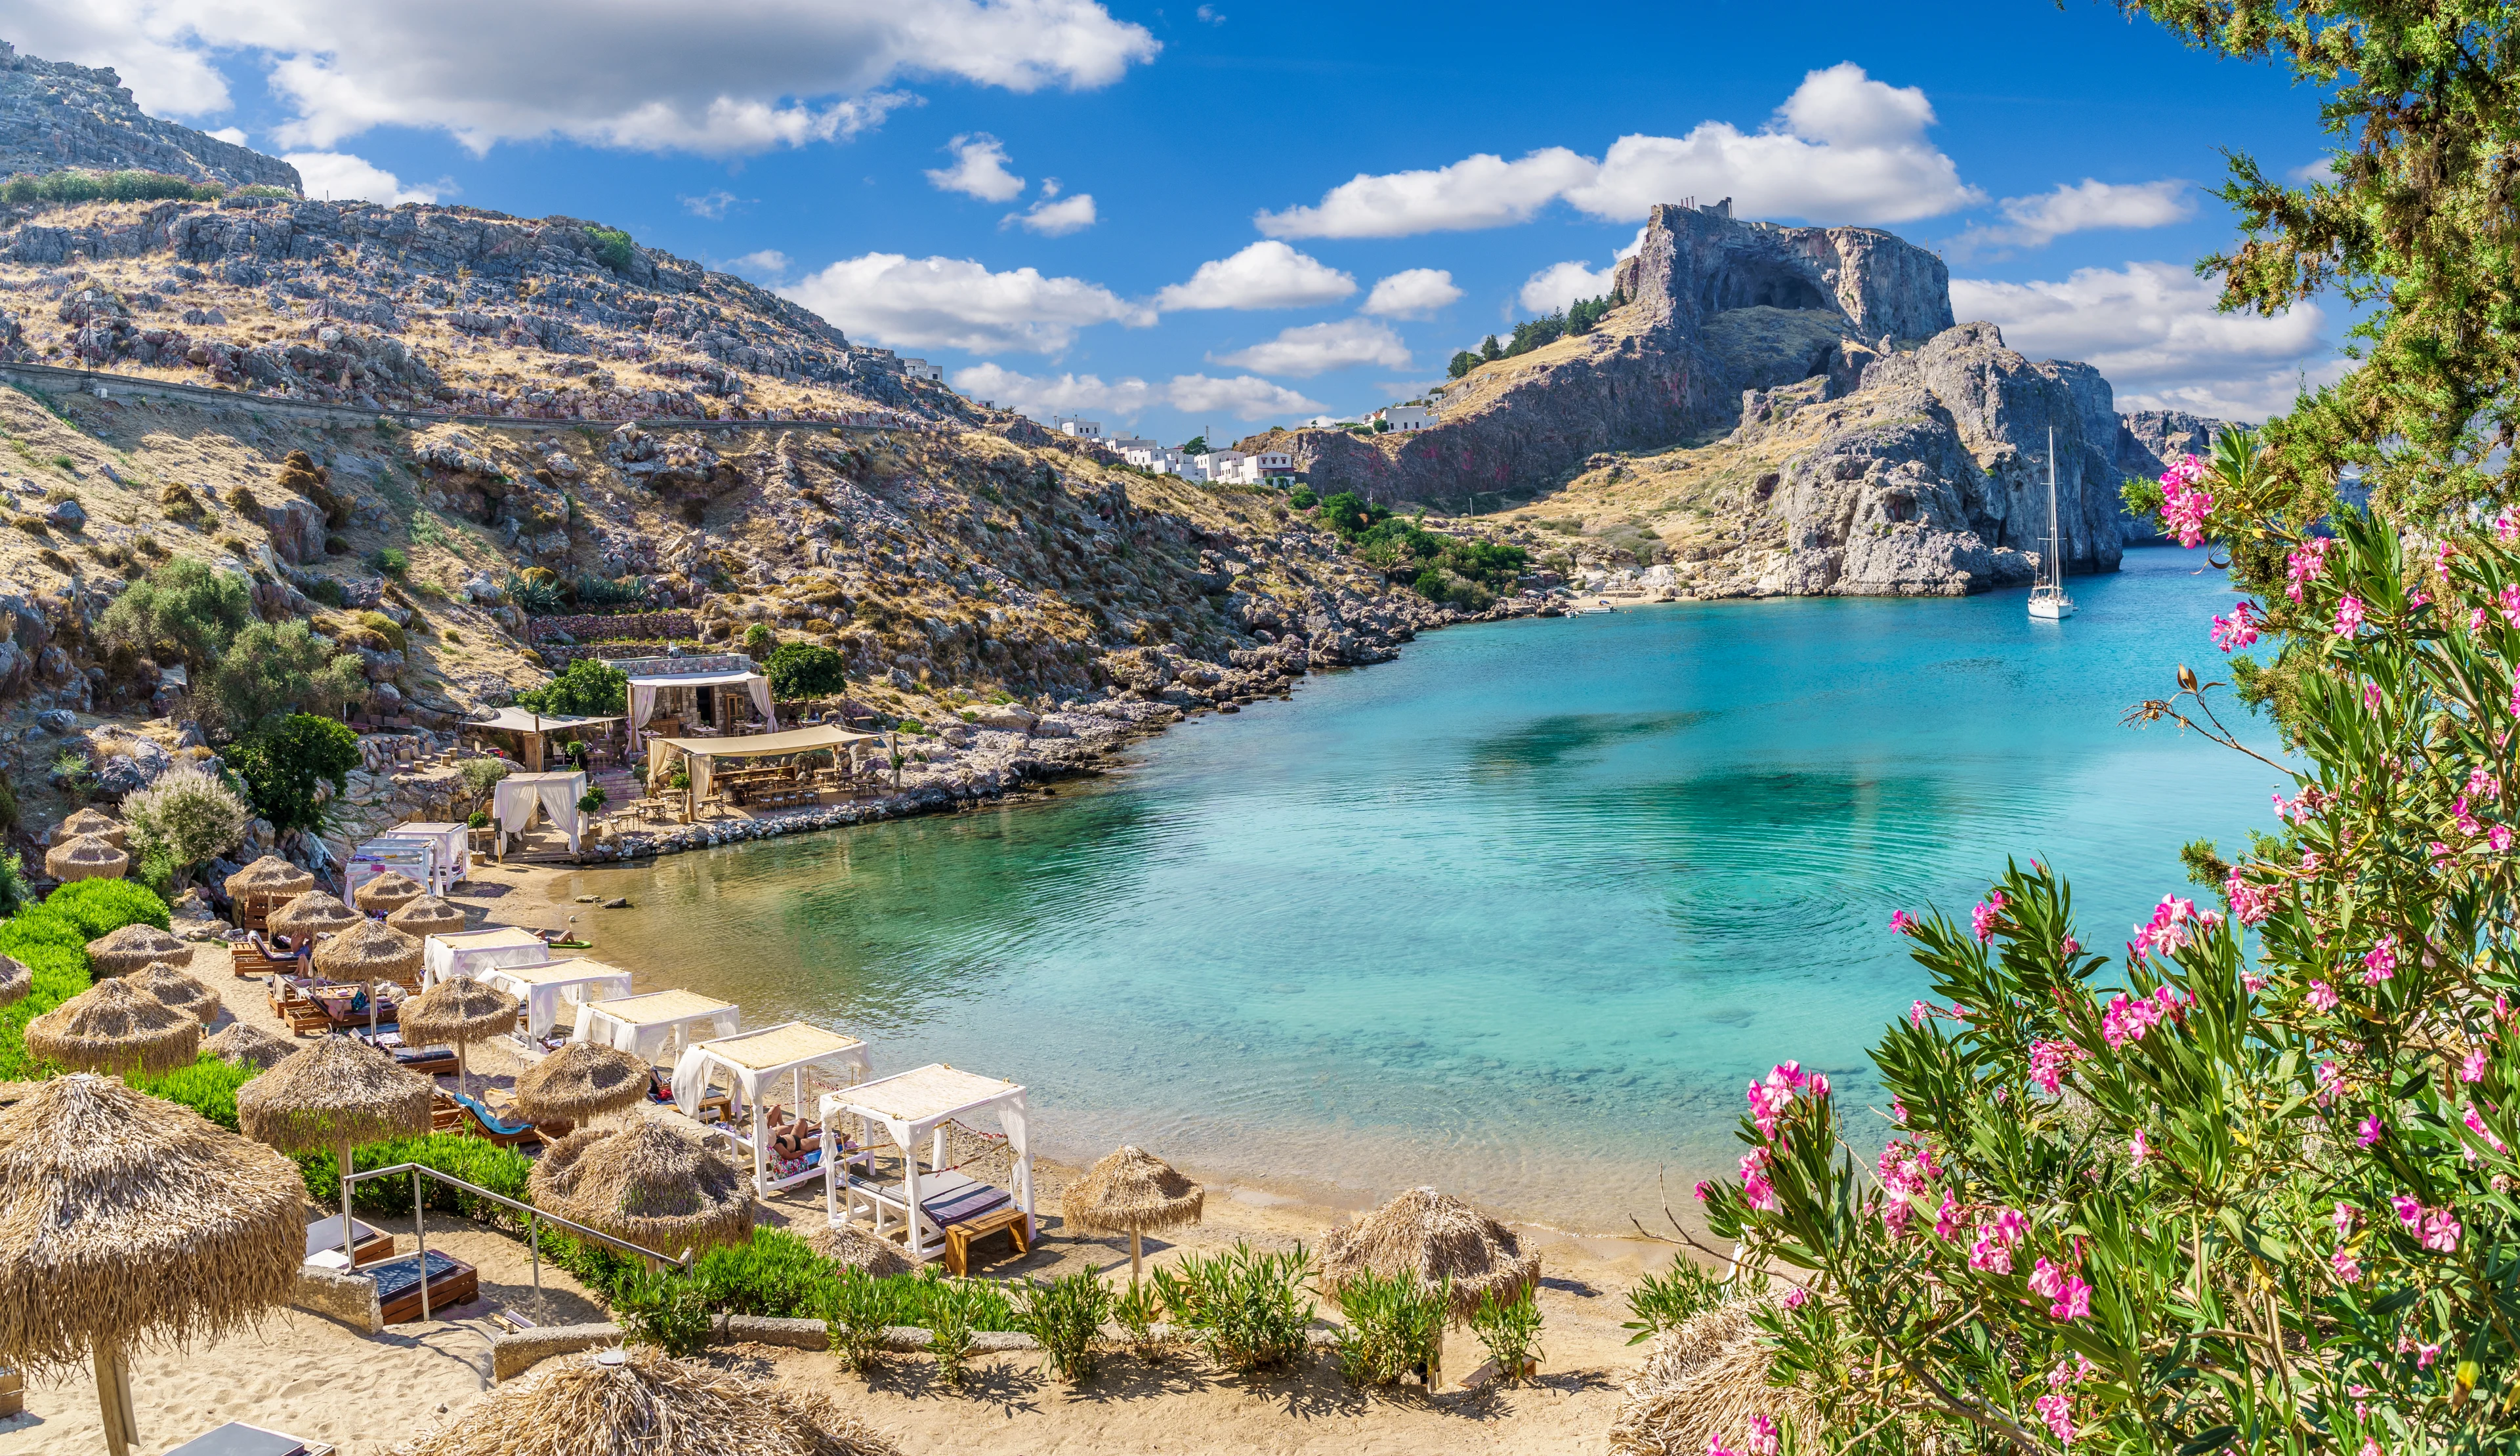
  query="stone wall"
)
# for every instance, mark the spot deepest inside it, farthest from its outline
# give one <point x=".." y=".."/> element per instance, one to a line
<point x="623" y="626"/>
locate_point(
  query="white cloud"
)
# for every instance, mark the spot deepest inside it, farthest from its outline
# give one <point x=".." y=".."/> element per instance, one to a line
<point x="2041" y="219"/>
<point x="2152" y="330"/>
<point x="1211" y="14"/>
<point x="1315" y="349"/>
<point x="709" y="204"/>
<point x="1265" y="275"/>
<point x="234" y="135"/>
<point x="1561" y="284"/>
<point x="342" y="176"/>
<point x="958" y="304"/>
<point x="769" y="263"/>
<point x="1412" y="295"/>
<point x="1843" y="147"/>
<point x="979" y="169"/>
<point x="2320" y="172"/>
<point x="748" y="76"/>
<point x="1057" y="219"/>
<point x="1242" y="397"/>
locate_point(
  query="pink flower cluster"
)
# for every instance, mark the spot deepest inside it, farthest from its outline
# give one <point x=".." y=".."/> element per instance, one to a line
<point x="2349" y="1270"/>
<point x="1993" y="1250"/>
<point x="2509" y="601"/>
<point x="2349" y="616"/>
<point x="2381" y="960"/>
<point x="2438" y="1229"/>
<point x="1756" y="1189"/>
<point x="1984" y="917"/>
<point x="2251" y="903"/>
<point x="2057" y="1407"/>
<point x="2127" y="1018"/>
<point x="2048" y="1062"/>
<point x="1769" y="1100"/>
<point x="1901" y="923"/>
<point x="2476" y="1124"/>
<point x="2175" y="922"/>
<point x="2071" y="1296"/>
<point x="1906" y="1169"/>
<point x="2322" y="997"/>
<point x="2184" y="502"/>
<point x="2307" y="564"/>
<point x="2238" y="629"/>
<point x="1762" y="1441"/>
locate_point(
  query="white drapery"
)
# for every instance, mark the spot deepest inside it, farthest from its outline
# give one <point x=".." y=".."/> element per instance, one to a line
<point x="912" y="1106"/>
<point x="468" y="952"/>
<point x="544" y="989"/>
<point x="754" y="1061"/>
<point x="643" y="695"/>
<point x="648" y="1027"/>
<point x="514" y="802"/>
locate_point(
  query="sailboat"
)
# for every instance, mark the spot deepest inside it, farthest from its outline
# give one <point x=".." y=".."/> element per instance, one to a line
<point x="2047" y="599"/>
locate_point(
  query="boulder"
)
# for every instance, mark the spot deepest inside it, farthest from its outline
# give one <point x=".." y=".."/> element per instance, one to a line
<point x="67" y="516"/>
<point x="297" y="527"/>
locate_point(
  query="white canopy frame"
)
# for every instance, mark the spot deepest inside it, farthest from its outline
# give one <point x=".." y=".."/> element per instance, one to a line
<point x="514" y="803"/>
<point x="754" y="1060"/>
<point x="656" y="1026"/>
<point x="644" y="689"/>
<point x="469" y="953"/>
<point x="912" y="1106"/>
<point x="451" y="847"/>
<point x="553" y="984"/>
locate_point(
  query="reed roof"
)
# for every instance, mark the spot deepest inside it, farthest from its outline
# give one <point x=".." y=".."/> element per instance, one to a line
<point x="242" y="1043"/>
<point x="425" y="917"/>
<point x="387" y="893"/>
<point x="115" y="1026"/>
<point x="336" y="1091"/>
<point x="1434" y="1236"/>
<point x="456" y="1011"/>
<point x="370" y="950"/>
<point x="15" y="981"/>
<point x="86" y="858"/>
<point x="120" y="953"/>
<point x="855" y="1248"/>
<point x="312" y="913"/>
<point x="268" y="876"/>
<point x="1131" y="1191"/>
<point x="180" y="990"/>
<point x="646" y="1184"/>
<point x="640" y="1402"/>
<point x="1706" y="1377"/>
<point x="579" y="1082"/>
<point x="135" y="1221"/>
<point x="102" y="825"/>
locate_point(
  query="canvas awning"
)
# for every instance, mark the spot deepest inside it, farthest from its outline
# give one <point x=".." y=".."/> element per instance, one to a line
<point x="644" y="689"/>
<point x="468" y="952"/>
<point x="704" y="752"/>
<point x="754" y="1061"/>
<point x="656" y="1025"/>
<point x="546" y="988"/>
<point x="525" y="721"/>
<point x="514" y="802"/>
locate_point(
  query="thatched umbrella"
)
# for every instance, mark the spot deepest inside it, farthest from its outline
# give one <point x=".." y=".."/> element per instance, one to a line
<point x="89" y="821"/>
<point x="15" y="981"/>
<point x="1129" y="1192"/>
<point x="387" y="893"/>
<point x="426" y="916"/>
<point x="178" y="989"/>
<point x="1707" y="1377"/>
<point x="1434" y="1236"/>
<point x="370" y="951"/>
<point x="86" y="858"/>
<point x="114" y="1026"/>
<point x="852" y="1247"/>
<point x="457" y="1010"/>
<point x="312" y="912"/>
<point x="337" y="1093"/>
<point x="242" y="1043"/>
<point x="126" y="1221"/>
<point x="637" y="1402"/>
<point x="580" y="1082"/>
<point x="134" y="947"/>
<point x="644" y="1183"/>
<point x="263" y="884"/>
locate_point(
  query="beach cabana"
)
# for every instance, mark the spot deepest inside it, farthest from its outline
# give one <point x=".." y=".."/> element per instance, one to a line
<point x="426" y="916"/>
<point x="520" y="796"/>
<point x="15" y="980"/>
<point x="658" y="1026"/>
<point x="178" y="990"/>
<point x="134" y="948"/>
<point x="914" y="1107"/>
<point x="89" y="857"/>
<point x="134" y="1222"/>
<point x="547" y="988"/>
<point x="659" y="1188"/>
<point x="638" y="1402"/>
<point x="311" y="913"/>
<point x="264" y="886"/>
<point x="91" y="821"/>
<point x="693" y="690"/>
<point x="469" y="953"/>
<point x="457" y="1012"/>
<point x="115" y="1026"/>
<point x="242" y="1043"/>
<point x="700" y="756"/>
<point x="534" y="738"/>
<point x="1131" y="1191"/>
<point x="580" y="1082"/>
<point x="386" y="893"/>
<point x="1434" y="1236"/>
<point x="450" y="847"/>
<point x="335" y="1094"/>
<point x="753" y="1062"/>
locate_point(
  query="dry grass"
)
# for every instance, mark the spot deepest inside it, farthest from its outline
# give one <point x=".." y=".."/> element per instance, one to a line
<point x="1706" y="1379"/>
<point x="646" y="1184"/>
<point x="1434" y="1236"/>
<point x="115" y="1026"/>
<point x="335" y="1092"/>
<point x="369" y="951"/>
<point x="456" y="1011"/>
<point x="242" y="1043"/>
<point x="425" y="917"/>
<point x="135" y="1221"/>
<point x="135" y="947"/>
<point x="1131" y="1191"/>
<point x="15" y="981"/>
<point x="86" y="858"/>
<point x="638" y="1402"/>
<point x="387" y="893"/>
<point x="312" y="913"/>
<point x="179" y="990"/>
<point x="580" y="1082"/>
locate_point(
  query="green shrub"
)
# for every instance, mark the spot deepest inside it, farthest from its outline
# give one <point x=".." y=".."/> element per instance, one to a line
<point x="612" y="248"/>
<point x="801" y="669"/>
<point x="775" y="1274"/>
<point x="585" y="688"/>
<point x="1064" y="1316"/>
<point x="387" y="628"/>
<point x="1245" y="1308"/>
<point x="1302" y="498"/>
<point x="1395" y="1327"/>
<point x="98" y="907"/>
<point x="282" y="765"/>
<point x="185" y="818"/>
<point x="1508" y="1330"/>
<point x="760" y="641"/>
<point x="325" y="591"/>
<point x="184" y="609"/>
<point x="391" y="560"/>
<point x="272" y="671"/>
<point x="1135" y="1309"/>
<point x="208" y="1087"/>
<point x="478" y="818"/>
<point x="1662" y="1302"/>
<point x="51" y="940"/>
<point x="79" y="185"/>
<point x="911" y="727"/>
<point x="665" y="1309"/>
<point x="480" y="775"/>
<point x="853" y="1307"/>
<point x="15" y="890"/>
<point x="593" y="800"/>
<point x="950" y="1329"/>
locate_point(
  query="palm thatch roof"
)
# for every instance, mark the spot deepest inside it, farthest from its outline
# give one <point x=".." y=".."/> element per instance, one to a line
<point x="387" y="893"/>
<point x="242" y="1043"/>
<point x="115" y="1026"/>
<point x="268" y="876"/>
<point x="852" y="1247"/>
<point x="1706" y="1377"/>
<point x="456" y="1010"/>
<point x="425" y="917"/>
<point x="336" y="1091"/>
<point x="639" y="1402"/>
<point x="86" y="858"/>
<point x="180" y="990"/>
<point x="309" y="913"/>
<point x="646" y="1184"/>
<point x="133" y="947"/>
<point x="15" y="981"/>
<point x="1434" y="1236"/>
<point x="1131" y="1191"/>
<point x="580" y="1082"/>
<point x="370" y="950"/>
<point x="103" y="826"/>
<point x="138" y="1221"/>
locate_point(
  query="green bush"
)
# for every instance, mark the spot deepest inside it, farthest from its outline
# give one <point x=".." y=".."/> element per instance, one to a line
<point x="478" y="818"/>
<point x="184" y="609"/>
<point x="1064" y="1316"/>
<point x="1662" y="1302"/>
<point x="1395" y="1327"/>
<point x="950" y="1329"/>
<point x="1135" y="1309"/>
<point x="51" y="940"/>
<point x="15" y="890"/>
<point x="853" y="1305"/>
<point x="760" y="641"/>
<point x="535" y="595"/>
<point x="665" y="1309"/>
<point x="801" y="669"/>
<point x="97" y="907"/>
<point x="1508" y="1330"/>
<point x="775" y="1274"/>
<point x="208" y="1087"/>
<point x="272" y="671"/>
<point x="391" y="560"/>
<point x="79" y="185"/>
<point x="185" y="818"/>
<point x="612" y="248"/>
<point x="1302" y="498"/>
<point x="585" y="688"/>
<point x="387" y="628"/>
<point x="282" y="765"/>
<point x="593" y="800"/>
<point x="1243" y="1307"/>
<point x="480" y="775"/>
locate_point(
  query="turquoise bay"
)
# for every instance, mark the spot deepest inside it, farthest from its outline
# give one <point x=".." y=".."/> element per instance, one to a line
<point x="1518" y="914"/>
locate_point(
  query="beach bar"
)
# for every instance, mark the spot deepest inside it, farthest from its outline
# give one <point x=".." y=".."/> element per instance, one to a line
<point x="700" y="757"/>
<point x="754" y="1061"/>
<point x="937" y="1213"/>
<point x="532" y="738"/>
<point x="698" y="694"/>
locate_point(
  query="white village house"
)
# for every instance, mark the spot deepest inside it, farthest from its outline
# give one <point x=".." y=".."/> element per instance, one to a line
<point x="1403" y="419"/>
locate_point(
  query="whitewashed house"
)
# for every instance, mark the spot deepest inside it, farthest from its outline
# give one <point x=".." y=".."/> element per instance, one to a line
<point x="1083" y="429"/>
<point x="921" y="369"/>
<point x="1404" y="418"/>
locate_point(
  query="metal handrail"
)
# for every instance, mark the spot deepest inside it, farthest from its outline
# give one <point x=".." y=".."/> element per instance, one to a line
<point x="533" y="1219"/>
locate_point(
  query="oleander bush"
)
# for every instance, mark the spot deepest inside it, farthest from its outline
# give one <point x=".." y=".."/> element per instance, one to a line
<point x="1395" y="1327"/>
<point x="1064" y="1316"/>
<point x="1244" y="1308"/>
<point x="1508" y="1330"/>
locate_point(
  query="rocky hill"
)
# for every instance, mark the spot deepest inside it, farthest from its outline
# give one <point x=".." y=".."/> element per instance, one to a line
<point x="54" y="116"/>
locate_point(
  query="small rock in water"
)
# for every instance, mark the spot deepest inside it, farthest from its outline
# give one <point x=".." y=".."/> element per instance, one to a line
<point x="586" y="899"/>
<point x="617" y="902"/>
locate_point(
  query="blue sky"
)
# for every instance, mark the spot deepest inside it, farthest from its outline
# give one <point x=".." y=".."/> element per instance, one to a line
<point x="1237" y="214"/>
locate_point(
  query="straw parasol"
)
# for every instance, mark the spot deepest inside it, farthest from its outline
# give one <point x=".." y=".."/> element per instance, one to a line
<point x="639" y="1401"/>
<point x="1708" y="1376"/>
<point x="580" y="1082"/>
<point x="1131" y="1191"/>
<point x="371" y="951"/>
<point x="178" y="990"/>
<point x="126" y="1221"/>
<point x="1434" y="1236"/>
<point x="457" y="1010"/>
<point x="89" y="821"/>
<point x="269" y="877"/>
<point x="852" y="1247"/>
<point x="387" y="893"/>
<point x="644" y="1183"/>
<point x="425" y="917"/>
<point x="114" y="1026"/>
<point x="312" y="912"/>
<point x="15" y="981"/>
<point x="242" y="1043"/>
<point x="337" y="1095"/>
<point x="86" y="858"/>
<point x="134" y="947"/>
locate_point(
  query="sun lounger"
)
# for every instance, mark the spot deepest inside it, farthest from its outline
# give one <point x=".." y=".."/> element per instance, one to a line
<point x="451" y="1282"/>
<point x="480" y="1121"/>
<point x="237" y="1439"/>
<point x="367" y="1245"/>
<point x="425" y="1060"/>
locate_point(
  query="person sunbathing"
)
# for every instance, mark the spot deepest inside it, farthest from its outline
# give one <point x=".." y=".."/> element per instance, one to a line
<point x="792" y="1137"/>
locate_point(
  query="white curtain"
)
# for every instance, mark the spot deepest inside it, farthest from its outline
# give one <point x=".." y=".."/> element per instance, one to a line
<point x="512" y="806"/>
<point x="544" y="1000"/>
<point x="761" y="699"/>
<point x="648" y="1041"/>
<point x="643" y="706"/>
<point x="560" y="799"/>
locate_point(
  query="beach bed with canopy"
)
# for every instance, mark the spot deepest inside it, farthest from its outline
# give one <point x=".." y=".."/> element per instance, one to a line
<point x="936" y="1213"/>
<point x="656" y="1026"/>
<point x="469" y="953"/>
<point x="520" y="796"/>
<point x="753" y="1062"/>
<point x="701" y="758"/>
<point x="546" y="988"/>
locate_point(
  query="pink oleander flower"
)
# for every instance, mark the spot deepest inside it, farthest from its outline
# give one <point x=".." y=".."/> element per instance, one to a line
<point x="2074" y="1304"/>
<point x="2438" y="851"/>
<point x="1947" y="1222"/>
<point x="2250" y="903"/>
<point x="2344" y="1218"/>
<point x="2440" y="1230"/>
<point x="2048" y="1062"/>
<point x="2371" y="1447"/>
<point x="1715" y="1448"/>
<point x="1705" y="1187"/>
<point x="1919" y="1013"/>
<point x="2067" y="945"/>
<point x="2371" y="697"/>
<point x="2012" y="1225"/>
<point x="2138" y="1149"/>
<point x="2369" y="1131"/>
<point x="2311" y="862"/>
<point x="1763" y="1436"/>
<point x="1756" y="1190"/>
<point x="2473" y="1069"/>
<point x="1901" y="923"/>
<point x="2482" y="784"/>
<point x="1768" y="1102"/>
<point x="2349" y="616"/>
<point x="1796" y="1297"/>
<point x="2327" y="1075"/>
<point x="2476" y="1124"/>
<point x="2307" y="564"/>
<point x="2322" y="997"/>
<point x="2410" y="1210"/>
<point x="2425" y="1354"/>
<point x="2238" y="629"/>
<point x="1983" y="917"/>
<point x="2184" y="503"/>
<point x="2499" y="837"/>
<point x="1898" y="1112"/>
<point x="2477" y="619"/>
<point x="2381" y="960"/>
<point x="2509" y="601"/>
<point x="2349" y="1269"/>
<point x="2056" y="1408"/>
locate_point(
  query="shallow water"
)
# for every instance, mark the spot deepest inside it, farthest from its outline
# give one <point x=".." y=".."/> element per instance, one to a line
<point x="1518" y="914"/>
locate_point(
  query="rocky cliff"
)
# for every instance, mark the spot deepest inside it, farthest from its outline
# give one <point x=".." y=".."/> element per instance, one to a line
<point x="54" y="115"/>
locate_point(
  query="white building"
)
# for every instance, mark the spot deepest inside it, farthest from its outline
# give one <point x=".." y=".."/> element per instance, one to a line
<point x="1163" y="459"/>
<point x="1083" y="429"/>
<point x="921" y="369"/>
<point x="1233" y="468"/>
<point x="1126" y="443"/>
<point x="1402" y="418"/>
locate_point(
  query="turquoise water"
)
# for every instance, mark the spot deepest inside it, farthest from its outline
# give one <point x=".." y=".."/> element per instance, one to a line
<point x="1518" y="914"/>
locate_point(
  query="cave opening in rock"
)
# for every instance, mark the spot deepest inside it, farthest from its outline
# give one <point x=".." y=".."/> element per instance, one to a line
<point x="1760" y="283"/>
